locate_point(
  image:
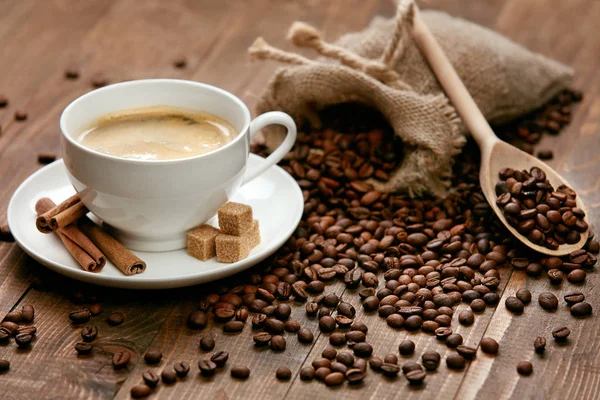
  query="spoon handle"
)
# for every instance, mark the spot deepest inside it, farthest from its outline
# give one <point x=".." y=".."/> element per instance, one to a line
<point x="452" y="84"/>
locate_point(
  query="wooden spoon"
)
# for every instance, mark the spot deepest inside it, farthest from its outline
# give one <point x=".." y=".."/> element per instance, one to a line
<point x="495" y="154"/>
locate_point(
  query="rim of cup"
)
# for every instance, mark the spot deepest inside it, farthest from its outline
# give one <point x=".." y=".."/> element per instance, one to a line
<point x="75" y="103"/>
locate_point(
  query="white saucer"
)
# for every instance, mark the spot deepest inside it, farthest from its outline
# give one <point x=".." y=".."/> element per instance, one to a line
<point x="275" y="197"/>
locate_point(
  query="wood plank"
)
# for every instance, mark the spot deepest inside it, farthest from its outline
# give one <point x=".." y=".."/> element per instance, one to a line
<point x="566" y="371"/>
<point x="20" y="79"/>
<point x="52" y="367"/>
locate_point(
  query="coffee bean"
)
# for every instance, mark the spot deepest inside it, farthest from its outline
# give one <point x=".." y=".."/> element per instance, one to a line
<point x="431" y="360"/>
<point x="182" y="369"/>
<point x="359" y="326"/>
<point x="413" y="322"/>
<point x="274" y="326"/>
<point x="207" y="367"/>
<point x="548" y="301"/>
<point x="233" y="326"/>
<point x="72" y="72"/>
<point x="355" y="375"/>
<point x="454" y="340"/>
<point x="345" y="358"/>
<point x="577" y="276"/>
<point x="180" y="62"/>
<point x="207" y="343"/>
<point x="524" y="368"/>
<point x="411" y="366"/>
<point x="337" y="339"/>
<point x="329" y="353"/>
<point x="489" y="346"/>
<point x="572" y="298"/>
<point x="539" y="344"/>
<point x="20" y="115"/>
<point x="220" y="358"/>
<point x="466" y="352"/>
<point x="466" y="318"/>
<point x="360" y="363"/>
<point x="168" y="375"/>
<point x="371" y="303"/>
<point x="395" y="321"/>
<point x="362" y="350"/>
<point x="545" y="154"/>
<point x="283" y="374"/>
<point x="258" y="321"/>
<point x="99" y="81"/>
<point x="150" y="378"/>
<point x="390" y="370"/>
<point x="197" y="320"/>
<point x="239" y="372"/>
<point x="292" y="326"/>
<point x="27" y="313"/>
<point x="582" y="309"/>
<point x="83" y="348"/>
<point x="305" y="336"/>
<point x="89" y="333"/>
<point x="390" y="359"/>
<point x="334" y="379"/>
<point x="376" y="363"/>
<point x="326" y="324"/>
<point x="455" y="361"/>
<point x="478" y="305"/>
<point x="28" y="330"/>
<point x="121" y="359"/>
<point x="278" y="343"/>
<point x="95" y="309"/>
<point x="10" y="327"/>
<point x="80" y="316"/>
<point x="406" y="347"/>
<point x="140" y="390"/>
<point x="346" y="309"/>
<point x="152" y="357"/>
<point x="524" y="295"/>
<point x="514" y="305"/>
<point x="283" y="311"/>
<point x="23" y="340"/>
<point x="416" y="377"/>
<point x="561" y="334"/>
<point x="491" y="299"/>
<point x="307" y="373"/>
<point x="443" y="333"/>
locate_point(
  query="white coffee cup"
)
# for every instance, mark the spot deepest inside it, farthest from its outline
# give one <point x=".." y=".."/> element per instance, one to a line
<point x="150" y="205"/>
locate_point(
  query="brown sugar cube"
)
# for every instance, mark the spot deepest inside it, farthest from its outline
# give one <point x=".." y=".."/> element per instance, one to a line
<point x="254" y="233"/>
<point x="232" y="248"/>
<point x="201" y="242"/>
<point x="235" y="218"/>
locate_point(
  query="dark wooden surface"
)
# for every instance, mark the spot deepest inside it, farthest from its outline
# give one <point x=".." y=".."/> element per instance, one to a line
<point x="129" y="39"/>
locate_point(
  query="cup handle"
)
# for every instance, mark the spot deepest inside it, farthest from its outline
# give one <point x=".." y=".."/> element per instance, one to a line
<point x="273" y="117"/>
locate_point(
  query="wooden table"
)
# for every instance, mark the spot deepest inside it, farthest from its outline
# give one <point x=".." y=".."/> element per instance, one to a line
<point x="129" y="39"/>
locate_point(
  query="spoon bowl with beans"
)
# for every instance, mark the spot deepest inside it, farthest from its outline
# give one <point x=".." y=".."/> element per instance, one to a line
<point x="533" y="201"/>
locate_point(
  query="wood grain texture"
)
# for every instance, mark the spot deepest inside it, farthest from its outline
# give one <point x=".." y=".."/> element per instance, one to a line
<point x="128" y="39"/>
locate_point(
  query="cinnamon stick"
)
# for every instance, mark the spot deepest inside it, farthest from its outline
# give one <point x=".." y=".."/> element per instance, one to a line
<point x="68" y="216"/>
<point x="127" y="262"/>
<point x="43" y="221"/>
<point x="87" y="255"/>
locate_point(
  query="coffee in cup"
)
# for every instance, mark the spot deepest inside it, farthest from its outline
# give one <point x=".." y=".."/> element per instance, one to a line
<point x="157" y="133"/>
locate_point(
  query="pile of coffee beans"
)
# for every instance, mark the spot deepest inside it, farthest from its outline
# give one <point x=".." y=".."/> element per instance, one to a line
<point x="17" y="324"/>
<point x="409" y="261"/>
<point x="547" y="217"/>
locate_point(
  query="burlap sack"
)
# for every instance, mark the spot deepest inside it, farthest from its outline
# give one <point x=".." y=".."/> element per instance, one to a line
<point x="382" y="67"/>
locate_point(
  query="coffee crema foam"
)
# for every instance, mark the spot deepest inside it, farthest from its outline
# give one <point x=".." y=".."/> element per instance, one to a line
<point x="157" y="133"/>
